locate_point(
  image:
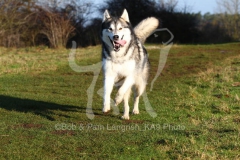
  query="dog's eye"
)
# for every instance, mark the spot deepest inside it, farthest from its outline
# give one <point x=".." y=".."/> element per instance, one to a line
<point x="110" y="29"/>
<point x="120" y="28"/>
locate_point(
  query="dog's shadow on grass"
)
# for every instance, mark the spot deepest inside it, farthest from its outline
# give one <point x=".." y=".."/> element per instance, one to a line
<point x="44" y="109"/>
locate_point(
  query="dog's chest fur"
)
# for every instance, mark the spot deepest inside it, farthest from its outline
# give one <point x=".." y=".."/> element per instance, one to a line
<point x="123" y="69"/>
<point x="123" y="64"/>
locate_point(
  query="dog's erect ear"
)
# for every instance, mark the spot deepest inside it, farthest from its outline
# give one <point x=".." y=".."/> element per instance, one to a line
<point x="125" y="15"/>
<point x="106" y="15"/>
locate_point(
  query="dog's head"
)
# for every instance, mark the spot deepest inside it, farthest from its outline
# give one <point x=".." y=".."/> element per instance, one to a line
<point x="116" y="32"/>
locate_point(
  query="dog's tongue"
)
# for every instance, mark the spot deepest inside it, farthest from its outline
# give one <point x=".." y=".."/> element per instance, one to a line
<point x="121" y="42"/>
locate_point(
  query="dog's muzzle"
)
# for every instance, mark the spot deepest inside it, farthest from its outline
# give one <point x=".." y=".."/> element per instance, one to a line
<point x="117" y="44"/>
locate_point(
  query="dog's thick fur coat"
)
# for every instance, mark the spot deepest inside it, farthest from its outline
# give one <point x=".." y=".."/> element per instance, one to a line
<point x="124" y="58"/>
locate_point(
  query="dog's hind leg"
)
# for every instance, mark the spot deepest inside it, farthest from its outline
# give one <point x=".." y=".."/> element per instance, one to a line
<point x="126" y="105"/>
<point x="136" y="100"/>
<point x="138" y="91"/>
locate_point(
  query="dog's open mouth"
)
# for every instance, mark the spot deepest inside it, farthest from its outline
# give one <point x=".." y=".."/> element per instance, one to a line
<point x="117" y="44"/>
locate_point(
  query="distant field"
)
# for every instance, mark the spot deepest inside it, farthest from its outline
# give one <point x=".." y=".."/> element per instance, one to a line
<point x="197" y="100"/>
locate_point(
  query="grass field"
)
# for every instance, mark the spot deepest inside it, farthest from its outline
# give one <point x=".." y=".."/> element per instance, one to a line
<point x="197" y="100"/>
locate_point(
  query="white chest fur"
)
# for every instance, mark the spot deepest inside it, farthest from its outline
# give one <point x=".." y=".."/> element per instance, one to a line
<point x="124" y="69"/>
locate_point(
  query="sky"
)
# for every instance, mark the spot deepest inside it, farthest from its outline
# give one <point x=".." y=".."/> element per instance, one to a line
<point x="203" y="6"/>
<point x="195" y="6"/>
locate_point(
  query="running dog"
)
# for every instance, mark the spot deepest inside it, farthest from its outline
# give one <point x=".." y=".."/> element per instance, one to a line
<point x="125" y="59"/>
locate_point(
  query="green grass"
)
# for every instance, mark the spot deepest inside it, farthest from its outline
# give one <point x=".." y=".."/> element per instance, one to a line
<point x="197" y="100"/>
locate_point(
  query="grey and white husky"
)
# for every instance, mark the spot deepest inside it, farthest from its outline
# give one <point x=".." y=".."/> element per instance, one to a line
<point x="125" y="59"/>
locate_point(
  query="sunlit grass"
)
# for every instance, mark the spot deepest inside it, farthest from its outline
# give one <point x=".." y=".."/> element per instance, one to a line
<point x="197" y="100"/>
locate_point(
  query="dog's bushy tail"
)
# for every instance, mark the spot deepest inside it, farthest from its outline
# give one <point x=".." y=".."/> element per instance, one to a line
<point x="145" y="28"/>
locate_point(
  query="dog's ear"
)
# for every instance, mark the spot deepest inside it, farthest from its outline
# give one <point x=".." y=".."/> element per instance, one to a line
<point x="125" y="15"/>
<point x="106" y="15"/>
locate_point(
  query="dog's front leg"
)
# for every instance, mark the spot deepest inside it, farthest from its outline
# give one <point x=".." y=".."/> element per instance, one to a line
<point x="108" y="87"/>
<point x="125" y="90"/>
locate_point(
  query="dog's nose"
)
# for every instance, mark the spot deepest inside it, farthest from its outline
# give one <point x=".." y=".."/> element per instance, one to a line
<point x="115" y="37"/>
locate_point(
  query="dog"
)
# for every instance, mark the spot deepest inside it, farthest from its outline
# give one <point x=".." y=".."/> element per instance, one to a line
<point x="124" y="59"/>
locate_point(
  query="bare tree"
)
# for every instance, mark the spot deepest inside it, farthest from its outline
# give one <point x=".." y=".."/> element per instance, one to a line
<point x="60" y="20"/>
<point x="23" y="21"/>
<point x="14" y="22"/>
<point x="10" y="24"/>
<point x="187" y="8"/>
<point x="230" y="16"/>
<point x="56" y="26"/>
<point x="168" y="5"/>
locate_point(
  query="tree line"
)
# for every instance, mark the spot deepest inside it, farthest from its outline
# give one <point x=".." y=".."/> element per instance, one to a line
<point x="31" y="23"/>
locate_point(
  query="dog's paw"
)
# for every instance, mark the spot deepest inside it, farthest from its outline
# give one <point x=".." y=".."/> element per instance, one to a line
<point x="135" y="111"/>
<point x="125" y="117"/>
<point x="106" y="110"/>
<point x="118" y="100"/>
